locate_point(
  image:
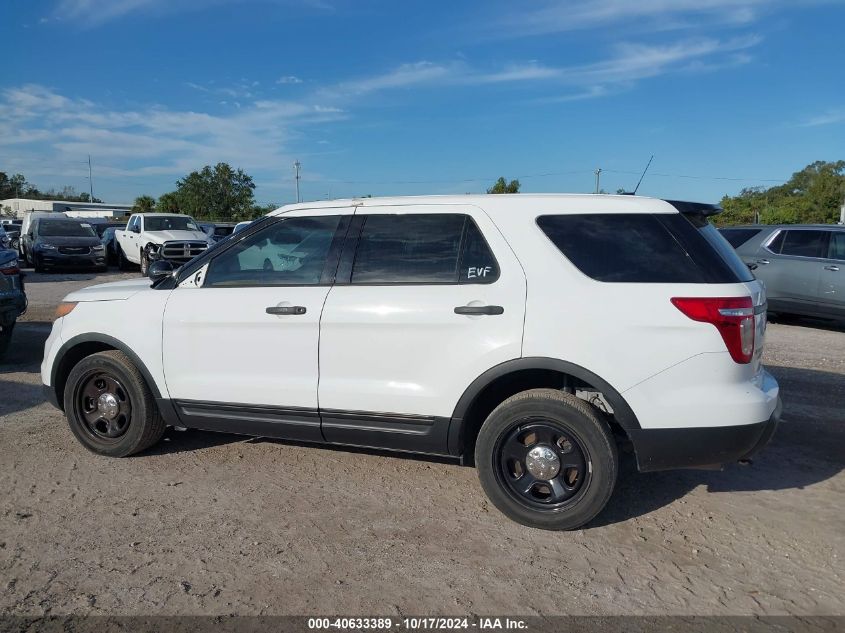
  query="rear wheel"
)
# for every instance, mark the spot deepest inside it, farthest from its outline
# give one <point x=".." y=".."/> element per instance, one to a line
<point x="547" y="460"/>
<point x="109" y="407"/>
<point x="5" y="337"/>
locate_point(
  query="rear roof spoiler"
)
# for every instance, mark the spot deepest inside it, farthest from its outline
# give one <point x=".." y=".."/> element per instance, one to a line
<point x="696" y="208"/>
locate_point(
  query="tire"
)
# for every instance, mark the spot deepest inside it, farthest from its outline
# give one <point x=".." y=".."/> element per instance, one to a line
<point x="137" y="423"/>
<point x="39" y="268"/>
<point x="145" y="262"/>
<point x="122" y="262"/>
<point x="557" y="429"/>
<point x="6" y="337"/>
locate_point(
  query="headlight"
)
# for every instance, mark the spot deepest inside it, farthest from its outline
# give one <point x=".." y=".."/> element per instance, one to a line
<point x="99" y="249"/>
<point x="46" y="247"/>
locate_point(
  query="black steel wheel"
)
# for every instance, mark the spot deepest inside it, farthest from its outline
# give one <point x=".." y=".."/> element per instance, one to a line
<point x="103" y="404"/>
<point x="547" y="459"/>
<point x="109" y="406"/>
<point x="541" y="463"/>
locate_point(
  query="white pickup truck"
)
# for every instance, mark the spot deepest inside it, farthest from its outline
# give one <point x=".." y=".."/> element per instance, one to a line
<point x="151" y="236"/>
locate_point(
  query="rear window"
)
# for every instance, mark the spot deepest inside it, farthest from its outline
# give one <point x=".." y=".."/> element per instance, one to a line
<point x="645" y="248"/>
<point x="738" y="237"/>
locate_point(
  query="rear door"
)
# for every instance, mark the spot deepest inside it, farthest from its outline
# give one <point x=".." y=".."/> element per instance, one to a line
<point x="427" y="298"/>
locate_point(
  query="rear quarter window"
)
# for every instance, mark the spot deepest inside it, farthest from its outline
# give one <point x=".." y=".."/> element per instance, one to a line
<point x="645" y="248"/>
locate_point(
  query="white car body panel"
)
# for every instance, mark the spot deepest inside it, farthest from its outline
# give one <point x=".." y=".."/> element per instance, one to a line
<point x="419" y="355"/>
<point x="401" y="349"/>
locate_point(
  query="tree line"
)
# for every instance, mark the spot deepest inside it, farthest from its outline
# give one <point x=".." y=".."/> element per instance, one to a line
<point x="17" y="186"/>
<point x="217" y="193"/>
<point x="813" y="195"/>
<point x="221" y="193"/>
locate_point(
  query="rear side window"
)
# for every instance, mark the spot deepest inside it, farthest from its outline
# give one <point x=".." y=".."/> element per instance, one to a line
<point x="645" y="248"/>
<point x="738" y="237"/>
<point x="422" y="249"/>
<point x="802" y="243"/>
<point x="837" y="245"/>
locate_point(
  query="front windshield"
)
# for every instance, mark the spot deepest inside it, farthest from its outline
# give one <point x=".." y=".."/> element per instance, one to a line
<point x="65" y="228"/>
<point x="171" y="223"/>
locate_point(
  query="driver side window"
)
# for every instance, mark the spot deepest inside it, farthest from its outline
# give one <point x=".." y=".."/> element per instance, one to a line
<point x="289" y="252"/>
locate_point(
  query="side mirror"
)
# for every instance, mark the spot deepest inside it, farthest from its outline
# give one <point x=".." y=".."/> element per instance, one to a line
<point x="160" y="268"/>
<point x="136" y="229"/>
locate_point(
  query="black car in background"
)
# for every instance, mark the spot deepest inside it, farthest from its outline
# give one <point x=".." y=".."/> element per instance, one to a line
<point x="12" y="296"/>
<point x="64" y="243"/>
<point x="110" y="244"/>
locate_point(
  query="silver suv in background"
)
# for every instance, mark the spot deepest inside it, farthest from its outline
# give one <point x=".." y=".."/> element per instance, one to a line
<point x="802" y="265"/>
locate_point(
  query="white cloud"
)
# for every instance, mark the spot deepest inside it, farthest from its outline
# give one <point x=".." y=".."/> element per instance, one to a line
<point x="831" y="117"/>
<point x="97" y="12"/>
<point x="290" y="79"/>
<point x="565" y="16"/>
<point x="44" y="131"/>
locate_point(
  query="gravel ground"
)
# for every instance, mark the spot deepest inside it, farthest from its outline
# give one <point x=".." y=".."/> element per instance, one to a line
<point x="217" y="524"/>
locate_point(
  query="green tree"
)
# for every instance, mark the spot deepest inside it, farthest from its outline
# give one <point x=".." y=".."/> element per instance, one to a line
<point x="812" y="195"/>
<point x="218" y="193"/>
<point x="144" y="204"/>
<point x="501" y="186"/>
<point x="168" y="202"/>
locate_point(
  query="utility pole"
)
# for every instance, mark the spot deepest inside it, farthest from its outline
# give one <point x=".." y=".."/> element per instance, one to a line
<point x="296" y="167"/>
<point x="598" y="177"/>
<point x="90" y="181"/>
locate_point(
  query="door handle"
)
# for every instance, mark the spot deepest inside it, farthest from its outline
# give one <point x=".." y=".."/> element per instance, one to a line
<point x="281" y="310"/>
<point x="479" y="310"/>
<point x="833" y="268"/>
<point x="763" y="261"/>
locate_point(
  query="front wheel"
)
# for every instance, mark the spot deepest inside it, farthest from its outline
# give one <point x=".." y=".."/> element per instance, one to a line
<point x="109" y="406"/>
<point x="122" y="262"/>
<point x="145" y="262"/>
<point x="547" y="460"/>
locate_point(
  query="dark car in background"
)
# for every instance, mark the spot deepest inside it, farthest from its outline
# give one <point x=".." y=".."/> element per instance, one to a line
<point x="12" y="296"/>
<point x="801" y="265"/>
<point x="108" y="240"/>
<point x="64" y="243"/>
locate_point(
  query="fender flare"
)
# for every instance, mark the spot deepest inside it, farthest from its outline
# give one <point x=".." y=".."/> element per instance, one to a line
<point x="622" y="412"/>
<point x="96" y="337"/>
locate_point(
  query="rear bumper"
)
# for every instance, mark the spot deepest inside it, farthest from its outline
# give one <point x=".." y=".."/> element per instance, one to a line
<point x="701" y="447"/>
<point x="50" y="396"/>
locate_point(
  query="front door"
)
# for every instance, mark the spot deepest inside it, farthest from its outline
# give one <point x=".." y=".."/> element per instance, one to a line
<point x="240" y="344"/>
<point x="430" y="298"/>
<point x="832" y="284"/>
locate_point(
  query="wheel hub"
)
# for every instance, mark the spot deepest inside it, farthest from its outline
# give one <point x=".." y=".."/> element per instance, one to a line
<point x="542" y="462"/>
<point x="108" y="406"/>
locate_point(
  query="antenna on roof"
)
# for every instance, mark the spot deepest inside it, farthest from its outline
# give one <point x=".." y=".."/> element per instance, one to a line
<point x="633" y="193"/>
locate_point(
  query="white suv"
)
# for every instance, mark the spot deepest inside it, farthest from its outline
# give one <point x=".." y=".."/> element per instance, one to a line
<point x="527" y="334"/>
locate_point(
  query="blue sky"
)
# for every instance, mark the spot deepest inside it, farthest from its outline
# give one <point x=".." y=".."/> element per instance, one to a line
<point x="385" y="98"/>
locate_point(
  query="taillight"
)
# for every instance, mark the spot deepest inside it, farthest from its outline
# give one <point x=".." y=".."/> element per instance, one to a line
<point x="732" y="316"/>
<point x="10" y="268"/>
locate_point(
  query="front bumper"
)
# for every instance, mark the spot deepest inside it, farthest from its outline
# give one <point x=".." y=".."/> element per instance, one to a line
<point x="701" y="447"/>
<point x="52" y="259"/>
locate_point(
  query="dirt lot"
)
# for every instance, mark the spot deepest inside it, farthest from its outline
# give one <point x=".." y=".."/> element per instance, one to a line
<point x="216" y="524"/>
